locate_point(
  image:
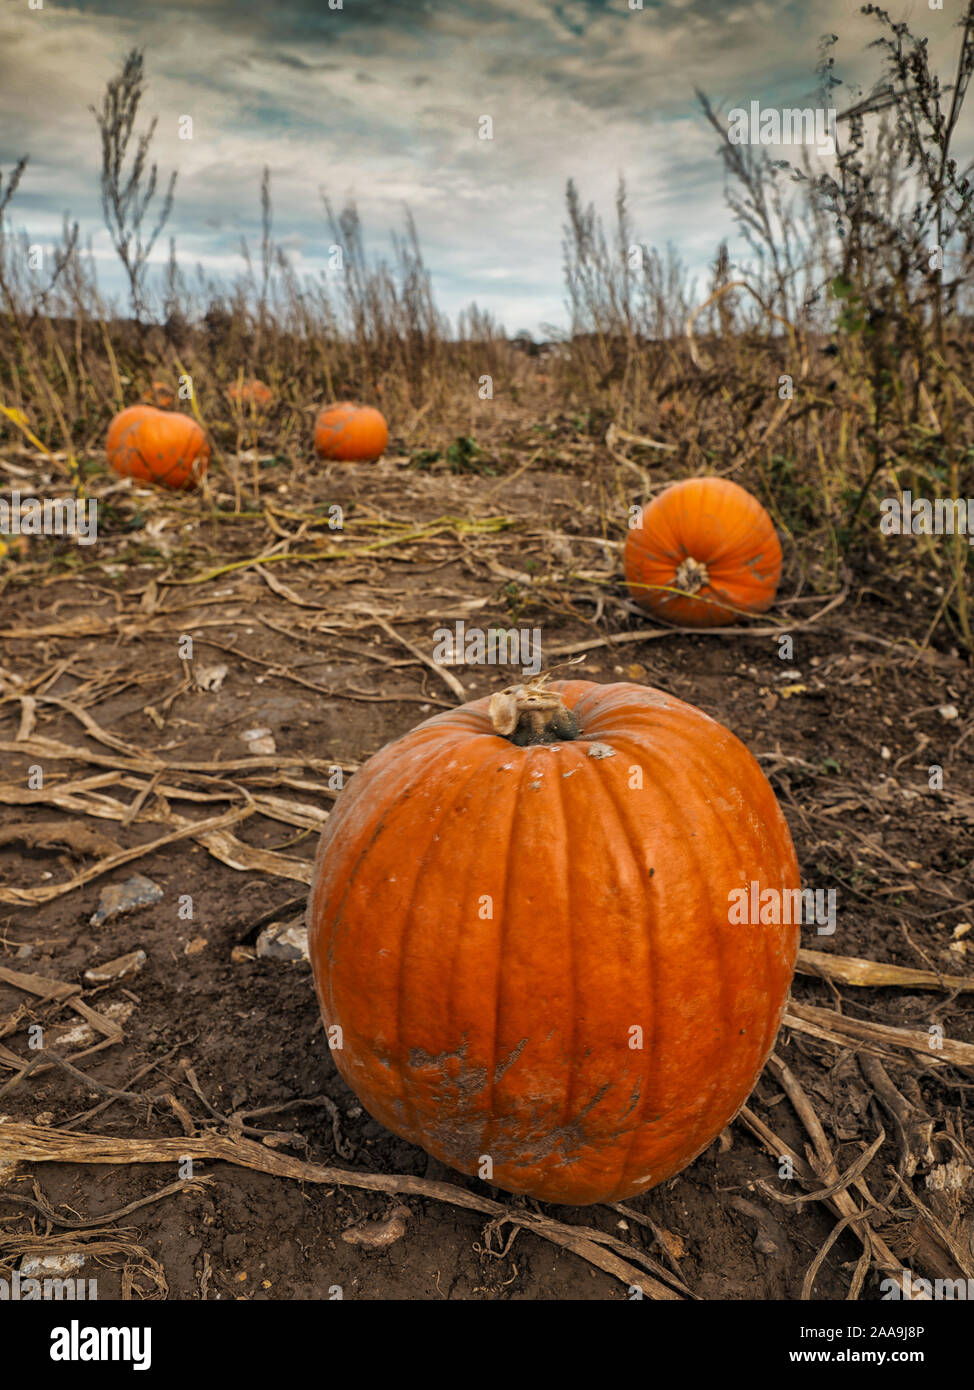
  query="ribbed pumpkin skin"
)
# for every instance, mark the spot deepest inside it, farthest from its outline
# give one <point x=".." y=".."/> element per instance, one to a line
<point x="719" y="523"/>
<point x="157" y="446"/>
<point x="509" y="1035"/>
<point x="351" y="433"/>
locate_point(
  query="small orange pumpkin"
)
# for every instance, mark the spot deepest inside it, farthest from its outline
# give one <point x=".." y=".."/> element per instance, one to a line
<point x="161" y="395"/>
<point x="530" y="940"/>
<point x="253" y="392"/>
<point x="350" y="433"/>
<point x="157" y="446"/>
<point x="703" y="554"/>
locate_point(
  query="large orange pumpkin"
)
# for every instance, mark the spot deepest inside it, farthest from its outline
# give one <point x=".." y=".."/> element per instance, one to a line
<point x="703" y="553"/>
<point x="524" y="951"/>
<point x="157" y="446"/>
<point x="351" y="433"/>
<point x="253" y="392"/>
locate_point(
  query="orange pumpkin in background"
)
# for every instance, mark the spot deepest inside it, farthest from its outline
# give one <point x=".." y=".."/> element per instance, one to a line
<point x="157" y="446"/>
<point x="121" y="423"/>
<point x="703" y="554"/>
<point x="161" y="395"/>
<point x="525" y="952"/>
<point x="350" y="433"/>
<point x="253" y="392"/>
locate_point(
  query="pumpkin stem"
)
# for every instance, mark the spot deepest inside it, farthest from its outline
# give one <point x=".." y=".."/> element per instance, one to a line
<point x="530" y="714"/>
<point x="692" y="576"/>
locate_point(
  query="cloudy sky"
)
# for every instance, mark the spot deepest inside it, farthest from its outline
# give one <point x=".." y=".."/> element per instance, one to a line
<point x="379" y="101"/>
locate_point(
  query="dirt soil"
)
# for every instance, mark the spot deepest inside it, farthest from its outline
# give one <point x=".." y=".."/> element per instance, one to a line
<point x="208" y="1038"/>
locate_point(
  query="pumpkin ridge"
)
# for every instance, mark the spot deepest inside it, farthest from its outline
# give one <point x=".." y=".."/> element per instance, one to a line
<point x="569" y="862"/>
<point x="738" y="548"/>
<point x="498" y="976"/>
<point x="723" y="829"/>
<point x="453" y="1024"/>
<point x="742" y="579"/>
<point x="759" y="557"/>
<point x="706" y="775"/>
<point x="349" y="885"/>
<point x="729" y="515"/>
<point x="644" y="1079"/>
<point x="569" y="1130"/>
<point x="616" y="691"/>
<point x="410" y="1100"/>
<point x="773" y="1024"/>
<point x="335" y="827"/>
<point x="758" y="842"/>
<point x="653" y="925"/>
<point x="747" y="579"/>
<point x="565" y="1131"/>
<point x="548" y="1136"/>
<point x="424" y="769"/>
<point x="676" y="797"/>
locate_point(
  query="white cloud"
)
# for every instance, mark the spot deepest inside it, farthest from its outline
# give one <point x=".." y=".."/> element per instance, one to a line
<point x="575" y="89"/>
